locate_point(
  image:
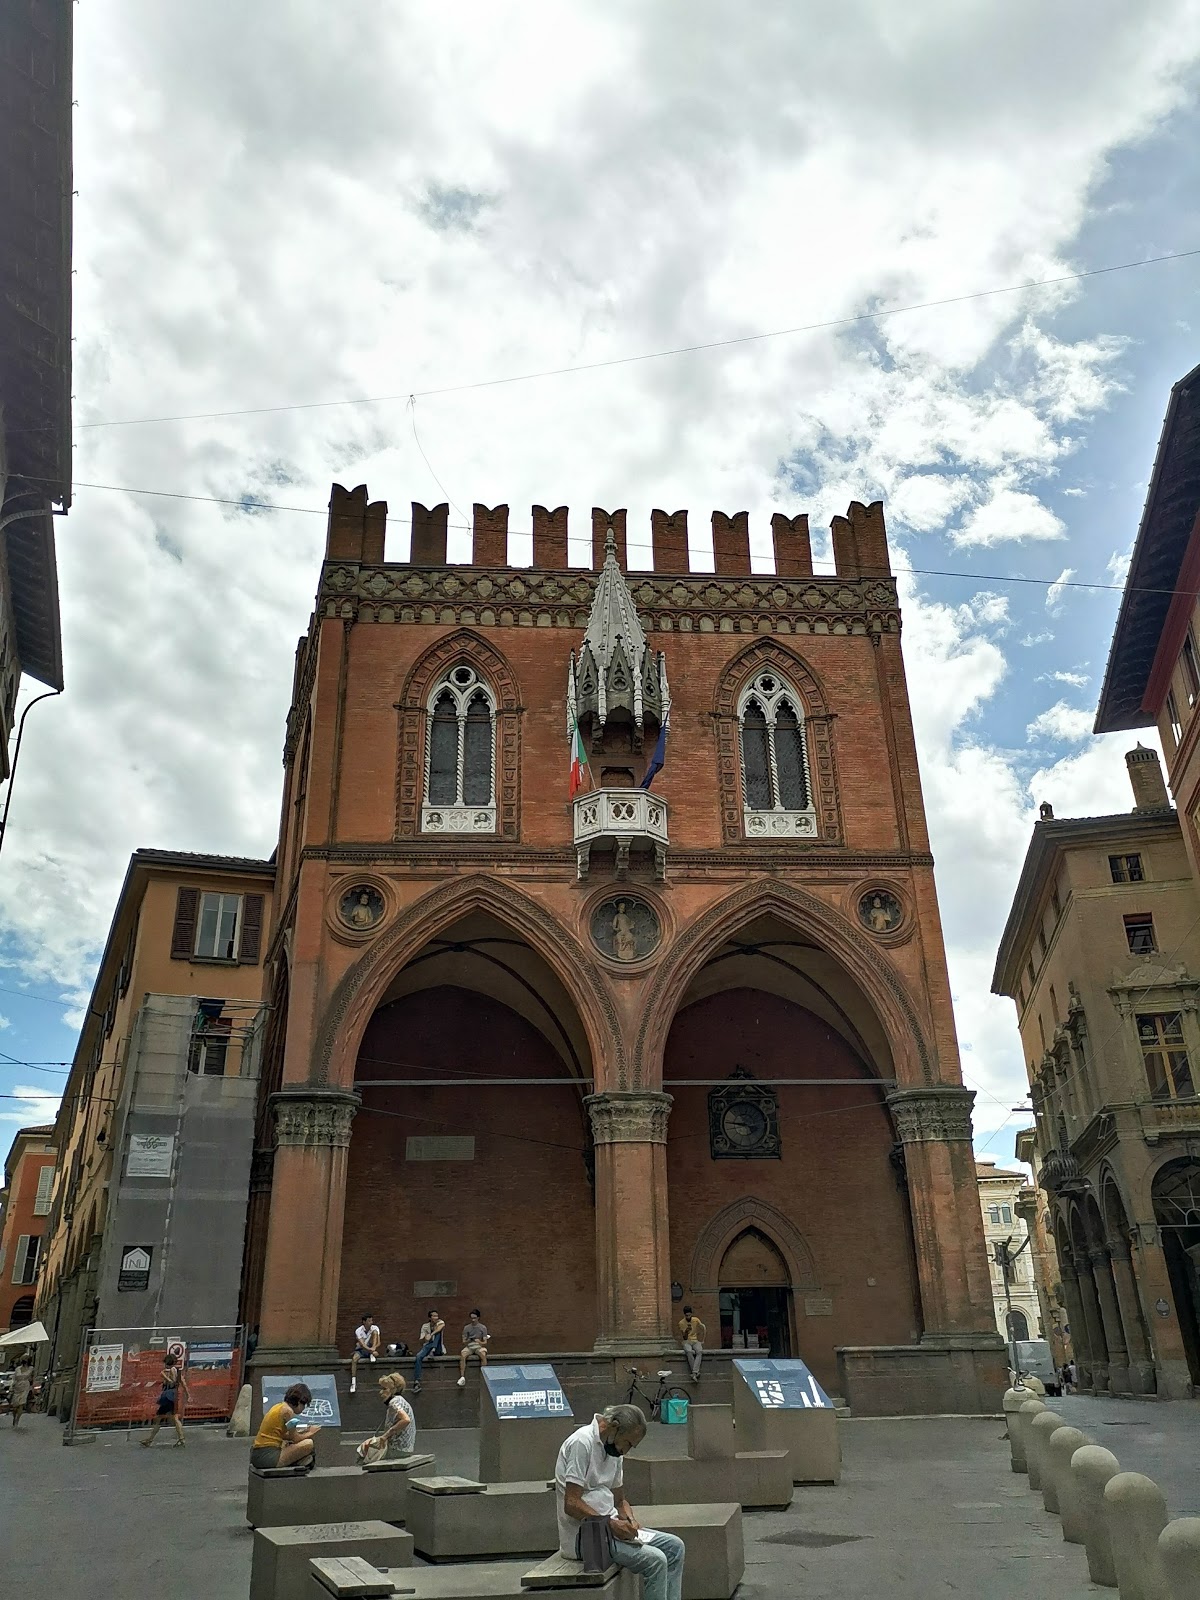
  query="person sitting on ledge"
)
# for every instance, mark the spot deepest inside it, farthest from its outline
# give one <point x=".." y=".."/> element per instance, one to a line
<point x="431" y="1345"/>
<point x="399" y="1435"/>
<point x="475" y="1343"/>
<point x="281" y="1440"/>
<point x="588" y="1484"/>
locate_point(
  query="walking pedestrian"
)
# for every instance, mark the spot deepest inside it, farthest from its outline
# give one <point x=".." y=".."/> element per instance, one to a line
<point x="366" y="1346"/>
<point x="282" y="1440"/>
<point x="432" y="1344"/>
<point x="475" y="1343"/>
<point x="173" y="1381"/>
<point x="398" y="1436"/>
<point x="691" y="1336"/>
<point x="22" y="1383"/>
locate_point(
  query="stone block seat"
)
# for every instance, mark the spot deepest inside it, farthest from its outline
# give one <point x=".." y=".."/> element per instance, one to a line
<point x="452" y="1519"/>
<point x="280" y="1557"/>
<point x="759" y="1479"/>
<point x="551" y="1579"/>
<point x="715" y="1557"/>
<point x="286" y="1498"/>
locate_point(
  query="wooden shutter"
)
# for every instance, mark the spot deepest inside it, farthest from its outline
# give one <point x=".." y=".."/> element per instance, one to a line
<point x="252" y="917"/>
<point x="187" y="910"/>
<point x="18" y="1272"/>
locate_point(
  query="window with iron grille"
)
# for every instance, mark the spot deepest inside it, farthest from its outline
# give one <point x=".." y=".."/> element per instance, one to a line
<point x="1139" y="932"/>
<point x="1126" y="869"/>
<point x="210" y="1047"/>
<point x="1164" y="1054"/>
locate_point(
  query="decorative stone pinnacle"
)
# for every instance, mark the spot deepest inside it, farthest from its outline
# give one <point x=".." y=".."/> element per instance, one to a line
<point x="616" y="669"/>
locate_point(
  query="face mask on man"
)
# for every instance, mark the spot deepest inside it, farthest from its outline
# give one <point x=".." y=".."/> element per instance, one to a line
<point x="610" y="1449"/>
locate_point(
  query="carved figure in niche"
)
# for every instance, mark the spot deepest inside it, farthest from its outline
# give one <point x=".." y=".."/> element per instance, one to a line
<point x="880" y="911"/>
<point x="361" y="907"/>
<point x="626" y="929"/>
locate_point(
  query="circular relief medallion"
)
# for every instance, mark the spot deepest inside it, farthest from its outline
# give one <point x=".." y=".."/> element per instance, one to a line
<point x="361" y="907"/>
<point x="879" y="911"/>
<point x="625" y="928"/>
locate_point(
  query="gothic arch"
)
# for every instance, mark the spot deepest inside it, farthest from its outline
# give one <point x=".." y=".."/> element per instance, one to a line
<point x="1113" y="1210"/>
<point x="875" y="975"/>
<point x="725" y="1227"/>
<point x="767" y="654"/>
<point x="361" y="989"/>
<point x="462" y="645"/>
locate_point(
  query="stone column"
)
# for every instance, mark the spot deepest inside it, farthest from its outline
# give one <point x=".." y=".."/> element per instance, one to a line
<point x="1092" y="1321"/>
<point x="1080" y="1343"/>
<point x="633" y="1267"/>
<point x="934" y="1127"/>
<point x="1141" y="1358"/>
<point x="1172" y="1372"/>
<point x="298" y="1317"/>
<point x="1114" y="1333"/>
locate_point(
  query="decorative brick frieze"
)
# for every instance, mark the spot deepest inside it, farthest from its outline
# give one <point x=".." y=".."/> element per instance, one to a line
<point x="635" y="1117"/>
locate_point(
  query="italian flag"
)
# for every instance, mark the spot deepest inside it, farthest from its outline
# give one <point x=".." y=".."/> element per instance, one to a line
<point x="578" y="762"/>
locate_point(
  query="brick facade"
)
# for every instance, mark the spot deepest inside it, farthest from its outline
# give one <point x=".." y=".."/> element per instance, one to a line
<point x="797" y="944"/>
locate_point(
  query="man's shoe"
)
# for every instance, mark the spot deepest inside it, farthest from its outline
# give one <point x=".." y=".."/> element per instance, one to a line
<point x="462" y="1383"/>
<point x="416" y="1388"/>
<point x="353" y="1385"/>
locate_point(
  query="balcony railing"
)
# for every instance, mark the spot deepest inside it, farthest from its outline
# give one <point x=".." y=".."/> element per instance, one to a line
<point x="624" y="819"/>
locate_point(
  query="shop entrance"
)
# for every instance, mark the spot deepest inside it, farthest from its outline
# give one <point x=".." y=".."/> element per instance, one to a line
<point x="755" y="1297"/>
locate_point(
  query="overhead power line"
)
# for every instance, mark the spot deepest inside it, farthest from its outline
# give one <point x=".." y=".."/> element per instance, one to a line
<point x="655" y="355"/>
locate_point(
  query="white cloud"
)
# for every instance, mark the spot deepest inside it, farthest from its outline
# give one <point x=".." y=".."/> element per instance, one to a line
<point x="1061" y="721"/>
<point x="1077" y="680"/>
<point x="1094" y="782"/>
<point x="1009" y="514"/>
<point x="1056" y="590"/>
<point x="29" y="1106"/>
<point x="1118" y="566"/>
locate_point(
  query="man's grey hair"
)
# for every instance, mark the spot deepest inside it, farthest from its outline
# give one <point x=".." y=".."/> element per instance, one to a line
<point x="625" y="1421"/>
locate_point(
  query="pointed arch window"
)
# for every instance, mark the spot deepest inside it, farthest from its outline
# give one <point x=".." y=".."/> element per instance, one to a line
<point x="776" y="786"/>
<point x="460" y="755"/>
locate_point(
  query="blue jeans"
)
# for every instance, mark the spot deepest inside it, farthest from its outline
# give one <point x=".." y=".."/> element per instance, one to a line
<point x="659" y="1564"/>
<point x="431" y="1347"/>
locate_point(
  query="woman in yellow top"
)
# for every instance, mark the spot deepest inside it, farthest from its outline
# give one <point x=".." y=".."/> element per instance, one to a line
<point x="280" y="1442"/>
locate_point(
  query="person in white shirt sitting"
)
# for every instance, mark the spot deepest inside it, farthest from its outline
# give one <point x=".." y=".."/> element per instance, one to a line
<point x="366" y="1346"/>
<point x="588" y="1483"/>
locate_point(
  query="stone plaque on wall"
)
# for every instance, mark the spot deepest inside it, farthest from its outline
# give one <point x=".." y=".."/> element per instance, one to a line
<point x="818" y="1305"/>
<point x="440" y="1147"/>
<point x="435" y="1288"/>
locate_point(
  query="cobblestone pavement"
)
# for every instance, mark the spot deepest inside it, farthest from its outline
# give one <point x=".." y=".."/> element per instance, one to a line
<point x="926" y="1508"/>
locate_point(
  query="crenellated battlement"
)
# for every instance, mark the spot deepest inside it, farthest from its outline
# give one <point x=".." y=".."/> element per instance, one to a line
<point x="357" y="527"/>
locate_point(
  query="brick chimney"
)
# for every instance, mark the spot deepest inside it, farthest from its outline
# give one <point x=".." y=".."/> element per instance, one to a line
<point x="1145" y="775"/>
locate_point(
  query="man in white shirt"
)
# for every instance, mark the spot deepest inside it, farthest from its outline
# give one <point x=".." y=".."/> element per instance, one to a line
<point x="589" y="1481"/>
<point x="366" y="1346"/>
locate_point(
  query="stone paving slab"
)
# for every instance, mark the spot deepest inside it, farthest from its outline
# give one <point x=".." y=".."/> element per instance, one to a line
<point x="926" y="1507"/>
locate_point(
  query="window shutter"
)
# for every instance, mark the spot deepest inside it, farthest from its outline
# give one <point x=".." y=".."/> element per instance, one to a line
<point x="183" y="938"/>
<point x="18" y="1273"/>
<point x="252" y="918"/>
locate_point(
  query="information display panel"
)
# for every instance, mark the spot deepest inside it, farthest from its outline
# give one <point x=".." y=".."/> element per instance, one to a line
<point x="322" y="1409"/>
<point x="782" y="1385"/>
<point x="526" y="1391"/>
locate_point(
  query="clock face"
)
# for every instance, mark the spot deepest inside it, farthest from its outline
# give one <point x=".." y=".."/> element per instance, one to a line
<point x="744" y="1124"/>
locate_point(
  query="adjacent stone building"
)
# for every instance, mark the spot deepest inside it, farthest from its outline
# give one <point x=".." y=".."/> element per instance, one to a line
<point x="577" y="1060"/>
<point x="999" y="1195"/>
<point x="1101" y="954"/>
<point x="24" y="1206"/>
<point x="154" y="1135"/>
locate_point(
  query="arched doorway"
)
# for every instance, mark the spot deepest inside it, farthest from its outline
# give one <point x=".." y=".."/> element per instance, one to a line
<point x="22" y="1312"/>
<point x="1176" y="1194"/>
<point x="1018" y="1325"/>
<point x="468" y="1175"/>
<point x="755" y="1296"/>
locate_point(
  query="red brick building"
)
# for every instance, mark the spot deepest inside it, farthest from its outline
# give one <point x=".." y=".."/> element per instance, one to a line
<point x="24" y="1208"/>
<point x="575" y="1062"/>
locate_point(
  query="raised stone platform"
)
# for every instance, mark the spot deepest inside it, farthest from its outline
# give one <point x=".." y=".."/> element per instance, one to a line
<point x="712" y="1538"/>
<point x="279" y="1564"/>
<point x="330" y="1494"/>
<point x="759" y="1478"/>
<point x="455" y="1519"/>
<point x="500" y="1580"/>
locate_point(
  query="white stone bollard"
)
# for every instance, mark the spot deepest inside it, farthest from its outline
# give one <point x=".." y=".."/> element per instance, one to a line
<point x="239" y="1422"/>
<point x="1012" y="1402"/>
<point x="1037" y="1430"/>
<point x="1179" y="1552"/>
<point x="1091" y="1468"/>
<point x="1055" y="1462"/>
<point x="1056" y="1467"/>
<point x="1026" y="1411"/>
<point x="1137" y="1513"/>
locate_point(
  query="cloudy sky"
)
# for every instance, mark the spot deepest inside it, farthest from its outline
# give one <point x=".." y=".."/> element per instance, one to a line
<point x="275" y="213"/>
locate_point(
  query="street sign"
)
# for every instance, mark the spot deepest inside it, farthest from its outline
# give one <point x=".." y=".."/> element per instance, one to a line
<point x="783" y="1385"/>
<point x="177" y="1350"/>
<point x="323" y="1408"/>
<point x="526" y="1391"/>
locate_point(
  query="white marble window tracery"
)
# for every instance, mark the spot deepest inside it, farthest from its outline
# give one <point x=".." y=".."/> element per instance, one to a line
<point x="777" y="796"/>
<point x="460" y="755"/>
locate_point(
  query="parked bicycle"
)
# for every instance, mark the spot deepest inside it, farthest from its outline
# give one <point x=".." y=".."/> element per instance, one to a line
<point x="653" y="1403"/>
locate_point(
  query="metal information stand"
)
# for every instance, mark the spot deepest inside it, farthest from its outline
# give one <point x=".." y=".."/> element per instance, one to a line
<point x="523" y="1419"/>
<point x="779" y="1405"/>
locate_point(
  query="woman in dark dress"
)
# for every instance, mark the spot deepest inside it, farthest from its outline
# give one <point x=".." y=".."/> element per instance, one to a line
<point x="173" y="1381"/>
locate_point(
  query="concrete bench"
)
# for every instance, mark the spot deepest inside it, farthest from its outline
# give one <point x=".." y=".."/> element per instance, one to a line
<point x="285" y="1499"/>
<point x="712" y="1539"/>
<point x="280" y="1558"/>
<point x="453" y="1519"/>
<point x="499" y="1580"/>
<point x="759" y="1478"/>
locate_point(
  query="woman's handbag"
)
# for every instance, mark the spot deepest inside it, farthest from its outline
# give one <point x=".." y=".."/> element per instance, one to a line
<point x="595" y="1544"/>
<point x="370" y="1452"/>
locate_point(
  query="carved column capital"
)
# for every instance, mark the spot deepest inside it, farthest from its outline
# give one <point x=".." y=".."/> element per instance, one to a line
<point x="629" y="1116"/>
<point x="313" y="1118"/>
<point x="932" y="1116"/>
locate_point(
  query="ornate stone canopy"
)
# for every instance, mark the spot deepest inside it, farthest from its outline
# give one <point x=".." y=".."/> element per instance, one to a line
<point x="616" y="670"/>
